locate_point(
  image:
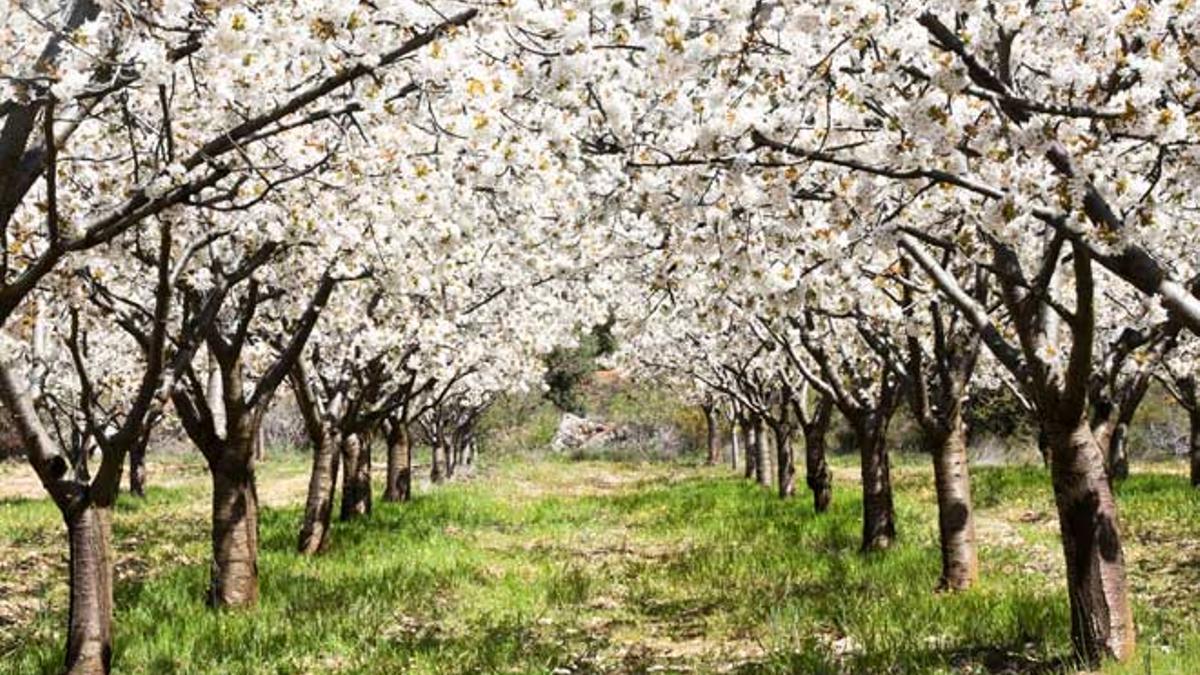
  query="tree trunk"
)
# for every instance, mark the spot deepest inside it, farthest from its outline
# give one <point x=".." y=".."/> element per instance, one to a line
<point x="1101" y="620"/>
<point x="714" y="440"/>
<point x="356" y="478"/>
<point x="235" y="531"/>
<point x="761" y="475"/>
<point x="137" y="468"/>
<point x="879" y="515"/>
<point x="89" y="627"/>
<point x="816" y="469"/>
<point x="318" y="507"/>
<point x="956" y="524"/>
<point x="785" y="462"/>
<point x="260" y="444"/>
<point x="1194" y="446"/>
<point x="399" y="466"/>
<point x="448" y="465"/>
<point x="735" y="433"/>
<point x="751" y="452"/>
<point x="435" y="464"/>
<point x="1118" y="455"/>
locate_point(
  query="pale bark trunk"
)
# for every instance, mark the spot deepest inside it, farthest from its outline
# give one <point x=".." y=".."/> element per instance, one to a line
<point x="399" y="467"/>
<point x="213" y="392"/>
<point x="879" y="515"/>
<point x="735" y="434"/>
<point x="713" y="431"/>
<point x="89" y="624"/>
<point x="318" y="507"/>
<point x="356" y="477"/>
<point x="1101" y="619"/>
<point x="956" y="524"/>
<point x="234" y="532"/>
<point x="761" y="470"/>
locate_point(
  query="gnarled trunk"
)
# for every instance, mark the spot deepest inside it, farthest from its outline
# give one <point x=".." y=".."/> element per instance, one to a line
<point x="879" y="513"/>
<point x="1101" y="620"/>
<point x="137" y="469"/>
<point x="399" y="466"/>
<point x="956" y="525"/>
<point x="356" y="479"/>
<point x="234" y="580"/>
<point x="318" y="506"/>
<point x="89" y="626"/>
<point x="713" y="438"/>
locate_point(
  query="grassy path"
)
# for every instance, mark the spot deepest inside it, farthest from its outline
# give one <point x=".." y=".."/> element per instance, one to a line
<point x="604" y="567"/>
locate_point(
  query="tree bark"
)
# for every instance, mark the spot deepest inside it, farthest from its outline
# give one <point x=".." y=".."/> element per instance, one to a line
<point x="1043" y="443"/>
<point x="260" y="444"/>
<point x="714" y="439"/>
<point x="1118" y="451"/>
<point x="956" y="524"/>
<point x="735" y="433"/>
<point x="751" y="452"/>
<point x="137" y="468"/>
<point x="761" y="475"/>
<point x="1101" y="619"/>
<point x="318" y="506"/>
<point x="89" y="627"/>
<point x="1194" y="445"/>
<point x="399" y="465"/>
<point x="879" y="514"/>
<point x="435" y="461"/>
<point x="785" y="462"/>
<point x="816" y="469"/>
<point x="448" y="459"/>
<point x="356" y="478"/>
<point x="234" y="531"/>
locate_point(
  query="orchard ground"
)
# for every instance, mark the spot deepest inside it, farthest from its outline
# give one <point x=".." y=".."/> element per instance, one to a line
<point x="603" y="566"/>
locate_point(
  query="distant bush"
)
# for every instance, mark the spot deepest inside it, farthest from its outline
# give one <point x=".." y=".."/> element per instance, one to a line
<point x="567" y="369"/>
<point x="997" y="413"/>
<point x="518" y="424"/>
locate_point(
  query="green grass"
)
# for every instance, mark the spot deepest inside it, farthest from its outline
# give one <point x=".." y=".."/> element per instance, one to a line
<point x="611" y="567"/>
